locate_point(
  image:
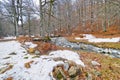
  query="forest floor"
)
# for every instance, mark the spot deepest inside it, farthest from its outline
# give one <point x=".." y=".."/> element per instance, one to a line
<point x="23" y="58"/>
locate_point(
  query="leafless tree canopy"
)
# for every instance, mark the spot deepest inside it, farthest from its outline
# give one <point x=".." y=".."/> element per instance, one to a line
<point x="24" y="17"/>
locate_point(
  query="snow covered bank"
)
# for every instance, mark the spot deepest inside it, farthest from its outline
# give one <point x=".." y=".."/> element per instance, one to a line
<point x="8" y="38"/>
<point x="105" y="40"/>
<point x="11" y="53"/>
<point x="92" y="38"/>
<point x="8" y="47"/>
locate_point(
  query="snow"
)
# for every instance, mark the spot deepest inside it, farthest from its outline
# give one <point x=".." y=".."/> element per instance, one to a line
<point x="30" y="44"/>
<point x="11" y="37"/>
<point x="92" y="38"/>
<point x="77" y="38"/>
<point x="69" y="55"/>
<point x="105" y="40"/>
<point x="7" y="38"/>
<point x="41" y="67"/>
<point x="88" y="36"/>
<point x="8" y="47"/>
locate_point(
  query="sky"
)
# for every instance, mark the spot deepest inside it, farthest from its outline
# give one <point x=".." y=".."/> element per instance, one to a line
<point x="36" y="1"/>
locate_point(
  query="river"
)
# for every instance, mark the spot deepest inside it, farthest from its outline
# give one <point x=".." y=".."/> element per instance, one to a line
<point x="61" y="41"/>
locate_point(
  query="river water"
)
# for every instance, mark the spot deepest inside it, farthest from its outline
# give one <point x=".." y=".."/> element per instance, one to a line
<point x="61" y="41"/>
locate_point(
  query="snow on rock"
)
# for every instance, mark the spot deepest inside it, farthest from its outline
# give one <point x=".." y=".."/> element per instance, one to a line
<point x="30" y="44"/>
<point x="41" y="67"/>
<point x="69" y="55"/>
<point x="92" y="38"/>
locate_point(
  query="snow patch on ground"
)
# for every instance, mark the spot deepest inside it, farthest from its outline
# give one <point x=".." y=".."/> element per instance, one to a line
<point x="88" y="36"/>
<point x="105" y="40"/>
<point x="9" y="47"/>
<point x="92" y="38"/>
<point x="77" y="38"/>
<point x="40" y="69"/>
<point x="8" y="38"/>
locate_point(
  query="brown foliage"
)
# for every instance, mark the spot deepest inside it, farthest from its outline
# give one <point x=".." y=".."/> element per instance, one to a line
<point x="27" y="65"/>
<point x="31" y="50"/>
<point x="9" y="78"/>
<point x="23" y="39"/>
<point x="112" y="31"/>
<point x="45" y="47"/>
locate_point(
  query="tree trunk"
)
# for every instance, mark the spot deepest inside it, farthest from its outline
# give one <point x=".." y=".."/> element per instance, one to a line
<point x="15" y="17"/>
<point x="104" y="26"/>
<point x="41" y="18"/>
<point x="21" y="16"/>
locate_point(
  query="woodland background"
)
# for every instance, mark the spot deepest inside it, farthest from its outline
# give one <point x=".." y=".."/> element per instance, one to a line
<point x="62" y="17"/>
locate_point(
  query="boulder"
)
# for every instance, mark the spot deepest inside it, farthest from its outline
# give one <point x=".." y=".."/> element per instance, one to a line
<point x="59" y="73"/>
<point x="67" y="71"/>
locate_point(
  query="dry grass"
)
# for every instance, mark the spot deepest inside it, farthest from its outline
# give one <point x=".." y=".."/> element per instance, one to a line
<point x="109" y="69"/>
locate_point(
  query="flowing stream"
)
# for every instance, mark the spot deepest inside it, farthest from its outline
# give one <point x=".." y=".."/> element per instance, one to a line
<point x="61" y="41"/>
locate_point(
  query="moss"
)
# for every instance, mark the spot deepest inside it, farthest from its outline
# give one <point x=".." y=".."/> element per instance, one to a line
<point x="47" y="38"/>
<point x="25" y="57"/>
<point x="59" y="76"/>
